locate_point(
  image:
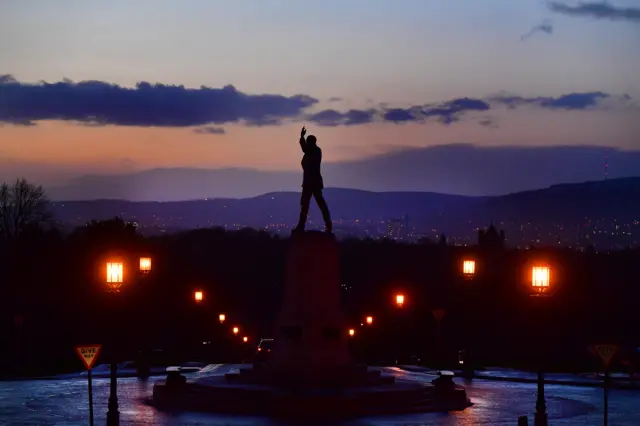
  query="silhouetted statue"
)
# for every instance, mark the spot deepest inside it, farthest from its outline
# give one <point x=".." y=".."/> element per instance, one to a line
<point x="312" y="184"/>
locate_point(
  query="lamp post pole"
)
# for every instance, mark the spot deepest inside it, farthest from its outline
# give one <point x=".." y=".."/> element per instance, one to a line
<point x="540" y="418"/>
<point x="115" y="275"/>
<point x="113" y="415"/>
<point x="399" y="301"/>
<point x="540" y="284"/>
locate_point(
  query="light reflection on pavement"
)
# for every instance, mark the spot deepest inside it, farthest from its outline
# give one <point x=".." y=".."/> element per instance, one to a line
<point x="65" y="402"/>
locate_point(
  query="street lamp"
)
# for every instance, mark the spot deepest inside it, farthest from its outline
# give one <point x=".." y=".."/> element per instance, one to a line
<point x="222" y="318"/>
<point x="115" y="276"/>
<point x="400" y="300"/>
<point x="352" y="332"/>
<point x="469" y="268"/>
<point x="145" y="265"/>
<point x="198" y="296"/>
<point x="540" y="280"/>
<point x="245" y="339"/>
<point x="236" y="330"/>
<point x="540" y="286"/>
<point x="114" y="279"/>
<point x="369" y="320"/>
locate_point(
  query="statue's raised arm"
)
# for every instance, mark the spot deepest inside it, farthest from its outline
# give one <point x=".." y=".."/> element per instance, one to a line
<point x="303" y="143"/>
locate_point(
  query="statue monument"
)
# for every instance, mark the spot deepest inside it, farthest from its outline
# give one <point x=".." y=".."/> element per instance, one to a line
<point x="310" y="371"/>
<point x="312" y="183"/>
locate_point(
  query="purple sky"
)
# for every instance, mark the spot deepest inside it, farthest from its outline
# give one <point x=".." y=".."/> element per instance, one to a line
<point x="120" y="87"/>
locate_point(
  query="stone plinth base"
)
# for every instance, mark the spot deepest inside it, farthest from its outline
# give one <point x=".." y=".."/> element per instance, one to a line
<point x="218" y="394"/>
<point x="311" y="337"/>
<point x="346" y="377"/>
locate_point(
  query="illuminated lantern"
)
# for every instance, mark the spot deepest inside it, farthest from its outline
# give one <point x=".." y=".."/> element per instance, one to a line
<point x="115" y="275"/>
<point x="540" y="279"/>
<point x="369" y="320"/>
<point x="221" y="318"/>
<point x="469" y="268"/>
<point x="352" y="332"/>
<point x="198" y="296"/>
<point x="400" y="300"/>
<point x="236" y="330"/>
<point x="145" y="265"/>
<point x="245" y="339"/>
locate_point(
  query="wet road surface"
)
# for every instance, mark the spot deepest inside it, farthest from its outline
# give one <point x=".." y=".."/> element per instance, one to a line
<point x="65" y="402"/>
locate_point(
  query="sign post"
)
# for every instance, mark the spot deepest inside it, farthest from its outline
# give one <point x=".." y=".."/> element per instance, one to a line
<point x="606" y="354"/>
<point x="438" y="314"/>
<point x="89" y="354"/>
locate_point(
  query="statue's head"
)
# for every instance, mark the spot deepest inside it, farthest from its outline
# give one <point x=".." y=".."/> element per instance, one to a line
<point x="311" y="140"/>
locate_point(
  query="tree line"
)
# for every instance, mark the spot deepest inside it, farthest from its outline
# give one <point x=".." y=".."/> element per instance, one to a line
<point x="53" y="291"/>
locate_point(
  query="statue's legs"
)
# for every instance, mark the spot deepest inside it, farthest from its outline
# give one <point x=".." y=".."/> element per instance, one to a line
<point x="324" y="208"/>
<point x="305" y="200"/>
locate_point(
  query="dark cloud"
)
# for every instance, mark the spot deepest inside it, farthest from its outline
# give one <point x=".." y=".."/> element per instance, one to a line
<point x="399" y="115"/>
<point x="209" y="130"/>
<point x="450" y="112"/>
<point x="571" y="101"/>
<point x="597" y="10"/>
<point x="145" y="105"/>
<point x="95" y="103"/>
<point x="488" y="122"/>
<point x="355" y="116"/>
<point x="545" y="27"/>
<point x="333" y="118"/>
<point x="328" y="117"/>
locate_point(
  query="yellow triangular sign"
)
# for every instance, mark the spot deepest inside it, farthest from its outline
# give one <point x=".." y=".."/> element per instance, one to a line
<point x="438" y="314"/>
<point x="606" y="353"/>
<point x="88" y="354"/>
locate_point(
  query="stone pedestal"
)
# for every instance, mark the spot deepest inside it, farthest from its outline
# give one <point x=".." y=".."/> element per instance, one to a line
<point x="311" y="338"/>
<point x="309" y="373"/>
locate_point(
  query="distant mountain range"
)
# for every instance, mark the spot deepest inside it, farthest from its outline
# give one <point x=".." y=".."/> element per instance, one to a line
<point x="448" y="169"/>
<point x="567" y="205"/>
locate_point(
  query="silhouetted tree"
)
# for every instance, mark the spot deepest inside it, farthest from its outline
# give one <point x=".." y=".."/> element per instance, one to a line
<point x="23" y="206"/>
<point x="110" y="233"/>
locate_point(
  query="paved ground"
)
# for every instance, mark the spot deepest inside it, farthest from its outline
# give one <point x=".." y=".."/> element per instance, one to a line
<point x="64" y="402"/>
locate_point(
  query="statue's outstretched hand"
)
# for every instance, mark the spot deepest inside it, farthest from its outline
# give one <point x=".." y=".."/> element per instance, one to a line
<point x="303" y="132"/>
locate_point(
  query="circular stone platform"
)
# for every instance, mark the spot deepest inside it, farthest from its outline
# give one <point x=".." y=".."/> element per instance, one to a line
<point x="222" y="395"/>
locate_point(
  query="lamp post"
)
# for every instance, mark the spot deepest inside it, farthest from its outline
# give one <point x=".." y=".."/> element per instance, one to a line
<point x="369" y="320"/>
<point x="114" y="279"/>
<point x="469" y="269"/>
<point x="145" y="265"/>
<point x="399" y="302"/>
<point x="222" y="318"/>
<point x="540" y="286"/>
<point x="469" y="273"/>
<point x="352" y="332"/>
<point x="198" y="296"/>
<point x="235" y="330"/>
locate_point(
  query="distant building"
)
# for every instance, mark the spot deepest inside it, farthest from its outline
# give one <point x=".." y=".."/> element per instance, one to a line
<point x="396" y="228"/>
<point x="491" y="238"/>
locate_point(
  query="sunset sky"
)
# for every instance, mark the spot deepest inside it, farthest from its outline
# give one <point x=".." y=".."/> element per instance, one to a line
<point x="147" y="84"/>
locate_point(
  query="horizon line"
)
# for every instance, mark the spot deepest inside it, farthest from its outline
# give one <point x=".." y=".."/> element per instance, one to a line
<point x="602" y="181"/>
